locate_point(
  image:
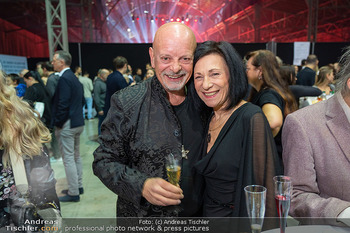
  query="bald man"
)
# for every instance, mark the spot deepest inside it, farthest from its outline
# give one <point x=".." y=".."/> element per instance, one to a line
<point x="145" y="123"/>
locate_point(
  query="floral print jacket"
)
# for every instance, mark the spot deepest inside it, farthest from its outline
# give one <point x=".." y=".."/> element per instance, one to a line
<point x="7" y="183"/>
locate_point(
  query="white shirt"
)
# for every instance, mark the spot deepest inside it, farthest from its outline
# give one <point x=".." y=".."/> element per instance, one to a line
<point x="344" y="105"/>
<point x="62" y="71"/>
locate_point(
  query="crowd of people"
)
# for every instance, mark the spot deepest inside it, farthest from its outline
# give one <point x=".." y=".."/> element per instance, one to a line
<point x="235" y="121"/>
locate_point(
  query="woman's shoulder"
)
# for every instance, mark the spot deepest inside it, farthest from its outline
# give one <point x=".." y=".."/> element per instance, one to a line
<point x="267" y="96"/>
<point x="270" y="92"/>
<point x="249" y="110"/>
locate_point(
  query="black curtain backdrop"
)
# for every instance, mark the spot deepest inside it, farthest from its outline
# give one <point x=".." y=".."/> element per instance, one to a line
<point x="95" y="56"/>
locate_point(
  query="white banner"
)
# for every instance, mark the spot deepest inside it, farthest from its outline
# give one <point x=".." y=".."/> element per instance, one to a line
<point x="12" y="64"/>
<point x="301" y="51"/>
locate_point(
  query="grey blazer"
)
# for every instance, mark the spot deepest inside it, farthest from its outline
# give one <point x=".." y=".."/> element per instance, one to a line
<point x="316" y="154"/>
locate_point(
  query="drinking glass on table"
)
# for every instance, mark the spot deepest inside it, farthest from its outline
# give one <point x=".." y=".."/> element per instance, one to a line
<point x="255" y="200"/>
<point x="283" y="194"/>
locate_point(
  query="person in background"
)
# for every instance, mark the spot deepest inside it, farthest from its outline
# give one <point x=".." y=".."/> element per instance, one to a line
<point x="68" y="120"/>
<point x="39" y="69"/>
<point x="288" y="74"/>
<point x="36" y="92"/>
<point x="14" y="81"/>
<point x="21" y="137"/>
<point x="316" y="154"/>
<point x="149" y="74"/>
<point x="128" y="76"/>
<point x="239" y="148"/>
<point x="138" y="75"/>
<point x="296" y="69"/>
<point x="87" y="85"/>
<point x="307" y="75"/>
<point x="51" y="84"/>
<point x="78" y="72"/>
<point x="52" y="78"/>
<point x="22" y="73"/>
<point x="145" y="123"/>
<point x="269" y="91"/>
<point x="100" y="95"/>
<point x="302" y="64"/>
<point x="115" y="80"/>
<point x="325" y="79"/>
<point x="147" y="66"/>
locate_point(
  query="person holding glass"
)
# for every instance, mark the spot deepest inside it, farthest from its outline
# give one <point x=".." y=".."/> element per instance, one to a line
<point x="316" y="154"/>
<point x="239" y="149"/>
<point x="147" y="122"/>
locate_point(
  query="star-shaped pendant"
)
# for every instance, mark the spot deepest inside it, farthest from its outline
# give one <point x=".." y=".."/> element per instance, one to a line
<point x="184" y="152"/>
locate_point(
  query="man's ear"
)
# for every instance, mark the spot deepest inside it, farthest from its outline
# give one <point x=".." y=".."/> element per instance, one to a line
<point x="151" y="55"/>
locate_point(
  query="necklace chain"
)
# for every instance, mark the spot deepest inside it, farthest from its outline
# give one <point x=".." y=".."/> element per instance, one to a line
<point x="223" y="122"/>
<point x="219" y="126"/>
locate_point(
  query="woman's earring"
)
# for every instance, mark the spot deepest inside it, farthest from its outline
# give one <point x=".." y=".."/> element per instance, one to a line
<point x="259" y="77"/>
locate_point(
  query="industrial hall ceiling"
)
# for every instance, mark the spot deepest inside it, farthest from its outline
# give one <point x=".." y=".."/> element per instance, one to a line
<point x="236" y="21"/>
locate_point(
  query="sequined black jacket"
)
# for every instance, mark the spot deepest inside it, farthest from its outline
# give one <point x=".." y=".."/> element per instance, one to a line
<point x="139" y="130"/>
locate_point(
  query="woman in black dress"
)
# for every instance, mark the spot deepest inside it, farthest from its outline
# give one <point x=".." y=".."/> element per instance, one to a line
<point x="270" y="92"/>
<point x="239" y="149"/>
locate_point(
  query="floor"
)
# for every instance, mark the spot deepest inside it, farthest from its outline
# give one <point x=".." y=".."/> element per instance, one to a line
<point x="97" y="200"/>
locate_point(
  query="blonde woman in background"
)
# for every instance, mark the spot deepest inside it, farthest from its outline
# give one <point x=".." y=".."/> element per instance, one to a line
<point x="22" y="135"/>
<point x="324" y="80"/>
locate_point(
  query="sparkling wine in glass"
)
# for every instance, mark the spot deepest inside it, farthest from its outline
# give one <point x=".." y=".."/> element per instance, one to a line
<point x="283" y="194"/>
<point x="174" y="173"/>
<point x="173" y="163"/>
<point x="255" y="201"/>
<point x="173" y="168"/>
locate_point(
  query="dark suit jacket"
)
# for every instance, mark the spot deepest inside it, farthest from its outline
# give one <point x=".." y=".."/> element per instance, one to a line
<point x="316" y="154"/>
<point x="115" y="82"/>
<point x="68" y="101"/>
<point x="306" y="77"/>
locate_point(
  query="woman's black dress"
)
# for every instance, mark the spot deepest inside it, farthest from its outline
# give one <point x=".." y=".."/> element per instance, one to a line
<point x="243" y="154"/>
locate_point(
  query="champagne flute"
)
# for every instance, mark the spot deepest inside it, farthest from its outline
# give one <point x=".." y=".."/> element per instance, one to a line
<point x="283" y="194"/>
<point x="173" y="163"/>
<point x="255" y="201"/>
<point x="173" y="168"/>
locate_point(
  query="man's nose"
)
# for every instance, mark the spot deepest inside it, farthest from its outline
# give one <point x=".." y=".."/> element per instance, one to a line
<point x="176" y="67"/>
